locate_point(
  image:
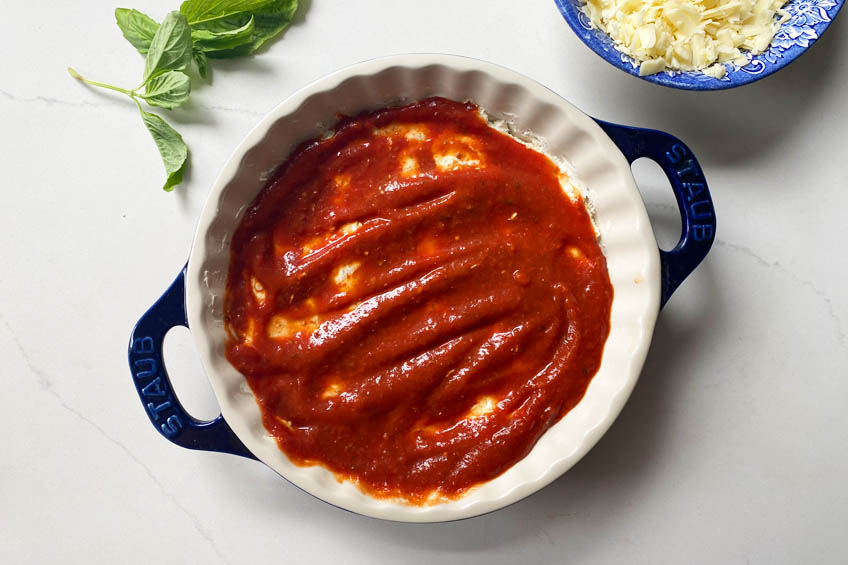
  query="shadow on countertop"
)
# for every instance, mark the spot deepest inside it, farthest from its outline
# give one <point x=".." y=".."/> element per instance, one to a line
<point x="726" y="127"/>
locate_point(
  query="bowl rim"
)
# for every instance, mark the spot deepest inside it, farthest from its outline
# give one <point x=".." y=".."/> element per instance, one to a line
<point x="640" y="314"/>
<point x="571" y="13"/>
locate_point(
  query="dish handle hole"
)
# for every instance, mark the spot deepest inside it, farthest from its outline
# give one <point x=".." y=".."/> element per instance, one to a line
<point x="659" y="201"/>
<point x="189" y="381"/>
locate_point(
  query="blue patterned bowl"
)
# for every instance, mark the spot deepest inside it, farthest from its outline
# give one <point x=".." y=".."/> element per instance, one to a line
<point x="809" y="19"/>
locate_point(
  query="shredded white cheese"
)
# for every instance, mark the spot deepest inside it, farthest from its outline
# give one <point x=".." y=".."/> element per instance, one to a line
<point x="688" y="35"/>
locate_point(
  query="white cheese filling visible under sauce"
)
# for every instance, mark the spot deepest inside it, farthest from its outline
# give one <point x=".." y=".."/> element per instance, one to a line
<point x="688" y="35"/>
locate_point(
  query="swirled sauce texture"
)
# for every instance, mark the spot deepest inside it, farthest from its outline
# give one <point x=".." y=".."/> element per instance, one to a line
<point x="415" y="300"/>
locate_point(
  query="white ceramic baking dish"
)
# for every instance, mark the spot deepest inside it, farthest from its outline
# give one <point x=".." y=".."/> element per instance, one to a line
<point x="642" y="276"/>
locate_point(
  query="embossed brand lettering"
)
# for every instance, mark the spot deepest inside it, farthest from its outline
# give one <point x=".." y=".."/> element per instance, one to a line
<point x="705" y="212"/>
<point x="154" y="388"/>
<point x="154" y="409"/>
<point x="677" y="153"/>
<point x="157" y="388"/>
<point x="172" y="426"/>
<point x="143" y="345"/>
<point x="689" y="168"/>
<point x="702" y="231"/>
<point x="686" y="167"/>
<point x="149" y="370"/>
<point x="693" y="189"/>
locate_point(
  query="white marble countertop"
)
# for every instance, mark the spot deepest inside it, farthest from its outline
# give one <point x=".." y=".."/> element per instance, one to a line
<point x="733" y="448"/>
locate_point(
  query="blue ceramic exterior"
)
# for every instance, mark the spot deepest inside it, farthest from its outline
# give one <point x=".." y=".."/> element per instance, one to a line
<point x="697" y="214"/>
<point x="154" y="387"/>
<point x="809" y="19"/>
<point x="172" y="421"/>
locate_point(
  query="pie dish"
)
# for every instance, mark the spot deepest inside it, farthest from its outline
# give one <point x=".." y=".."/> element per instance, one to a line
<point x="643" y="277"/>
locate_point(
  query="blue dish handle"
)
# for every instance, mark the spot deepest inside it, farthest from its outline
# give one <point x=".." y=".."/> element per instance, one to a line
<point x="154" y="387"/>
<point x="690" y="189"/>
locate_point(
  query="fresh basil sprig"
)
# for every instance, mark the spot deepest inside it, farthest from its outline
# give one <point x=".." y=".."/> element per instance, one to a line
<point x="219" y="28"/>
<point x="171" y="147"/>
<point x="137" y="28"/>
<point x="170" y="48"/>
<point x="166" y="85"/>
<point x="168" y="90"/>
<point x="201" y="29"/>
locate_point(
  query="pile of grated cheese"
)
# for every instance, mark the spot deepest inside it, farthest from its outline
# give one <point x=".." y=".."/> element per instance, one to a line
<point x="688" y="35"/>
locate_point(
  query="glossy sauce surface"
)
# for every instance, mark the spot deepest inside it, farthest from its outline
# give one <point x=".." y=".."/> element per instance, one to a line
<point x="415" y="300"/>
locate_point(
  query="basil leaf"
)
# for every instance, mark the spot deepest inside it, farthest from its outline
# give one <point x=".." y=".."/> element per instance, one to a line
<point x="137" y="28"/>
<point x="269" y="22"/>
<point x="201" y="61"/>
<point x="225" y="33"/>
<point x="199" y="11"/>
<point x="168" y="90"/>
<point x="272" y="20"/>
<point x="171" y="147"/>
<point x="170" y="49"/>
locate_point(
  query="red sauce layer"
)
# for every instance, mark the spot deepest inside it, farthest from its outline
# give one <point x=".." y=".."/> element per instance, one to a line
<point x="415" y="300"/>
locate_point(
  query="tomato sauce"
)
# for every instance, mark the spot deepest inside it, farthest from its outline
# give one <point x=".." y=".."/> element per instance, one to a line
<point x="414" y="300"/>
